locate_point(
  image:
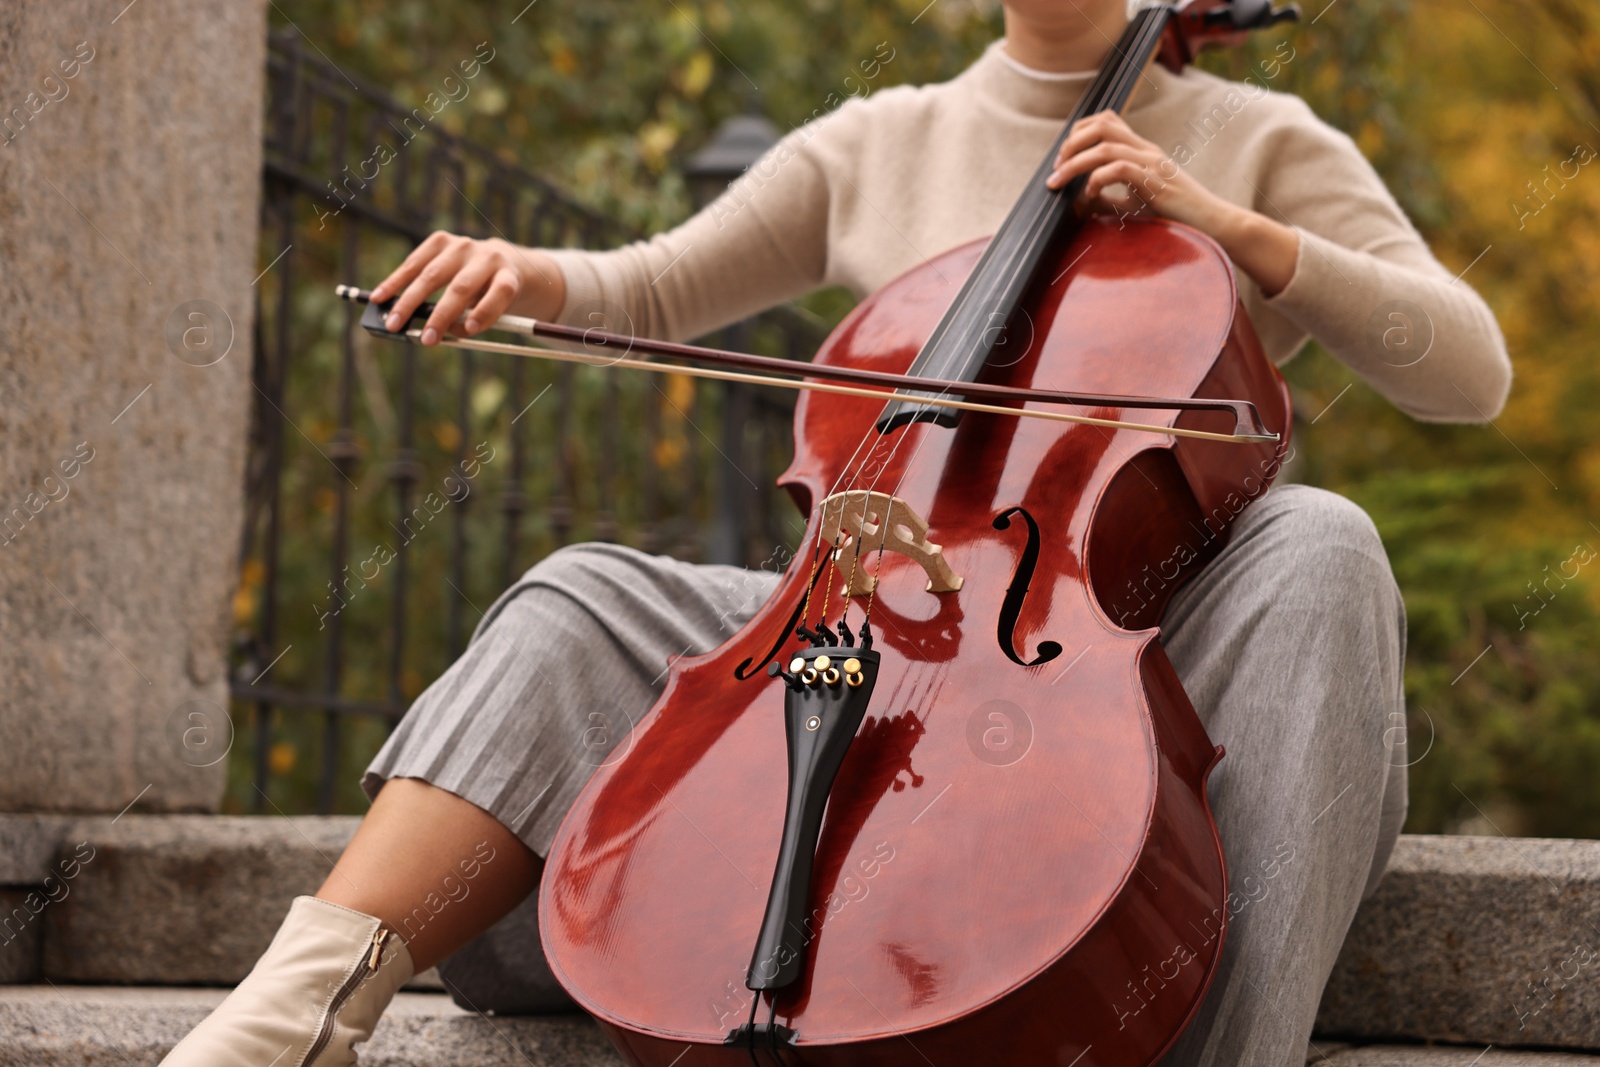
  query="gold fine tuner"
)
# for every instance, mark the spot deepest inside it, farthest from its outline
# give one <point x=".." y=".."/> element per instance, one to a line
<point x="822" y="669"/>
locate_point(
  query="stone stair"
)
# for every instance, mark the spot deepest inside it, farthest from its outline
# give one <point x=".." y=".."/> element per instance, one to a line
<point x="91" y="1026"/>
<point x="1475" y="952"/>
<point x="86" y="1026"/>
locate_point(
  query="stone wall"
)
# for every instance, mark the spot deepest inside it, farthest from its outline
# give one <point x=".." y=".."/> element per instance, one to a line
<point x="130" y="159"/>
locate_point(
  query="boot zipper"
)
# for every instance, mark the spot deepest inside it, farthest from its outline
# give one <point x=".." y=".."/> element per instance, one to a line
<point x="330" y="1018"/>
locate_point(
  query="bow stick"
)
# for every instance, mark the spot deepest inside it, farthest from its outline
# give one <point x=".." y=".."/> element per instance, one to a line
<point x="788" y="374"/>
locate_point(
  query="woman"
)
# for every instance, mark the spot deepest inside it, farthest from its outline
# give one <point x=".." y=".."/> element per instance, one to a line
<point x="1290" y="643"/>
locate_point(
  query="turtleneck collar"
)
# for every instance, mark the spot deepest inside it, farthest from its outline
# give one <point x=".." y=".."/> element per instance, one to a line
<point x="1035" y="93"/>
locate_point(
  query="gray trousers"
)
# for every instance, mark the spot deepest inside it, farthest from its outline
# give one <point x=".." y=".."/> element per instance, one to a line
<point x="1290" y="644"/>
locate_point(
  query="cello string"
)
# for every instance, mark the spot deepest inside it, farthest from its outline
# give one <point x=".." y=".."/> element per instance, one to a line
<point x="1106" y="88"/>
<point x="849" y="475"/>
<point x="1098" y="96"/>
<point x="852" y="479"/>
<point x="1120" y="81"/>
<point x="811" y="578"/>
<point x="872" y="594"/>
<point x="899" y="483"/>
<point x="844" y="473"/>
<point x="828" y="580"/>
<point x="772" y="1033"/>
<point x="855" y="559"/>
<point x="750" y="1025"/>
<point x="855" y="564"/>
<point x="1035" y="229"/>
<point x="894" y="450"/>
<point x="1119" y="85"/>
<point x="866" y="503"/>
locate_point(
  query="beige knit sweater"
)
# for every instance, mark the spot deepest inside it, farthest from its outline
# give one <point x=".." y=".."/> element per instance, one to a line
<point x="890" y="180"/>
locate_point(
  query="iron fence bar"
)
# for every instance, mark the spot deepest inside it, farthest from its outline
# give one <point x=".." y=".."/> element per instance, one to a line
<point x="561" y="505"/>
<point x="341" y="452"/>
<point x="405" y="472"/>
<point x="459" y="597"/>
<point x="513" y="501"/>
<point x="458" y="532"/>
<point x="275" y="380"/>
<point x="606" y="525"/>
<point x="649" y="467"/>
<point x="688" y="546"/>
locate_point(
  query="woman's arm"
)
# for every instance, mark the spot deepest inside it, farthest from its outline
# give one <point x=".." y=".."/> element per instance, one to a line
<point x="761" y="243"/>
<point x="1352" y="272"/>
<point x="1110" y="153"/>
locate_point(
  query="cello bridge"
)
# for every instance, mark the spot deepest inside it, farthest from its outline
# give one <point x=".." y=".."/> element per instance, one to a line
<point x="860" y="522"/>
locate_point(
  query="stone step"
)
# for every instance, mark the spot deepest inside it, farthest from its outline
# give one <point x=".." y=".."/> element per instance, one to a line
<point x="1446" y="1056"/>
<point x="1468" y="940"/>
<point x="78" y="1026"/>
<point x="209" y="891"/>
<point x="1475" y="940"/>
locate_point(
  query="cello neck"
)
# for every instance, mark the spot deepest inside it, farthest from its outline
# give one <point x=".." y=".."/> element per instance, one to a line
<point x="1041" y="218"/>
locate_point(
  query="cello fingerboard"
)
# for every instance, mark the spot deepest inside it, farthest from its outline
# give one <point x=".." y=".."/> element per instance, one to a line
<point x="974" y="325"/>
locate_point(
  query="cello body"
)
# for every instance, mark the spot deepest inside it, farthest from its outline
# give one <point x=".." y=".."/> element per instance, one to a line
<point x="1018" y="864"/>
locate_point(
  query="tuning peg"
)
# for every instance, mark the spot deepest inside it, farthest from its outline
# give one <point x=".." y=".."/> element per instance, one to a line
<point x="1252" y="14"/>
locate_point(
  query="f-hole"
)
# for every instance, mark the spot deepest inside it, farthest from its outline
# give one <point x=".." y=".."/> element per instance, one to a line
<point x="1017" y="592"/>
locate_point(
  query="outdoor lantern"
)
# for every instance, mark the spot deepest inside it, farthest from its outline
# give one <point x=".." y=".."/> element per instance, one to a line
<point x="738" y="143"/>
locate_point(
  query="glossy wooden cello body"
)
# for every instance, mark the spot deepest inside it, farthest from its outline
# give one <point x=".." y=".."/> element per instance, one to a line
<point x="1017" y="864"/>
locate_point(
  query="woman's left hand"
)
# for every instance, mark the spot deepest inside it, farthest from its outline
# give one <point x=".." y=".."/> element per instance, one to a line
<point x="1111" y="154"/>
<point x="1126" y="173"/>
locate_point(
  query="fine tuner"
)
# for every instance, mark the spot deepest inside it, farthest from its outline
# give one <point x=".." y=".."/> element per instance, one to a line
<point x="819" y="671"/>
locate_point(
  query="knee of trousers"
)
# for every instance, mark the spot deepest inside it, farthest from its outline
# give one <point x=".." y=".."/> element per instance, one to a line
<point x="1327" y="536"/>
<point x="1335" y="579"/>
<point x="577" y="566"/>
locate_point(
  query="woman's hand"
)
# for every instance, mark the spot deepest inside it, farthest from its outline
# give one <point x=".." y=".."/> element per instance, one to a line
<point x="482" y="279"/>
<point x="1110" y="154"/>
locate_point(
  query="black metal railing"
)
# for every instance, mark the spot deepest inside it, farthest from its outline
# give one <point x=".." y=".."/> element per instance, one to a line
<point x="392" y="491"/>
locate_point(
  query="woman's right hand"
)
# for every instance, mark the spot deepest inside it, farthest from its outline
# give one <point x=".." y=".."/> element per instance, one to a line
<point x="481" y="279"/>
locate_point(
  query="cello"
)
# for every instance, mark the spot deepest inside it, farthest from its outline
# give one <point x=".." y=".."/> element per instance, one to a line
<point x="995" y="844"/>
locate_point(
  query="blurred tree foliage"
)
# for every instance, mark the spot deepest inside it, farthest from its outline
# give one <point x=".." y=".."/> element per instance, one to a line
<point x="1474" y="113"/>
<point x="1477" y="116"/>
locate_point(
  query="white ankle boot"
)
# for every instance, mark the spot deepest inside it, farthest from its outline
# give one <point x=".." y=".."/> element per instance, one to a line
<point x="319" y="990"/>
